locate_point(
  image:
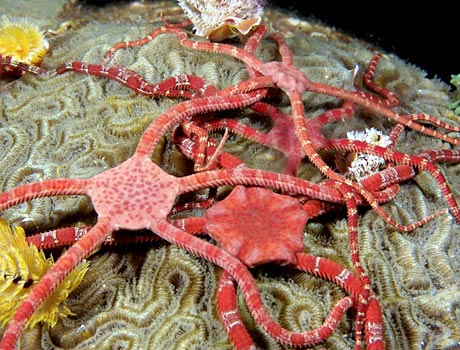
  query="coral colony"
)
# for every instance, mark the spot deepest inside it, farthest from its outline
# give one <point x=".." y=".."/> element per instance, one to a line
<point x="263" y="217"/>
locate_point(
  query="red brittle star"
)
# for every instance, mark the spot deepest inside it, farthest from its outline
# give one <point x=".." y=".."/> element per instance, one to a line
<point x="138" y="194"/>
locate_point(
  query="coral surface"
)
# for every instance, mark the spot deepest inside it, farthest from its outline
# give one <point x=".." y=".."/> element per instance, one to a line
<point x="157" y="296"/>
<point x="455" y="106"/>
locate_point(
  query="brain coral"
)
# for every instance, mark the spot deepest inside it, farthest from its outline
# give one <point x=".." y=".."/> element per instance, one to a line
<point x="159" y="297"/>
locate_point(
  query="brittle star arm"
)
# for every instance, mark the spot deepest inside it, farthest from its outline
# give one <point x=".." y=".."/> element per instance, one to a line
<point x="45" y="188"/>
<point x="254" y="177"/>
<point x="63" y="266"/>
<point x="186" y="109"/>
<point x="424" y="162"/>
<point x="247" y="284"/>
<point x="290" y="79"/>
<point x="67" y="262"/>
<point x="323" y="268"/>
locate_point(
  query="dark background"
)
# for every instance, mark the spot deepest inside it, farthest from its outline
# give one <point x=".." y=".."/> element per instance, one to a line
<point x="427" y="36"/>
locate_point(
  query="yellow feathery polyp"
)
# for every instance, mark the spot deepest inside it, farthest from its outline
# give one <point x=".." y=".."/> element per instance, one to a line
<point x="22" y="40"/>
<point x="21" y="267"/>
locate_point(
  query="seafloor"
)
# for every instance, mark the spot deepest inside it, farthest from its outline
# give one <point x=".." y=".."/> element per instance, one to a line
<point x="157" y="296"/>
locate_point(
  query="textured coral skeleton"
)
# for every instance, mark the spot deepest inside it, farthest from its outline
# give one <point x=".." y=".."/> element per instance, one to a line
<point x="138" y="194"/>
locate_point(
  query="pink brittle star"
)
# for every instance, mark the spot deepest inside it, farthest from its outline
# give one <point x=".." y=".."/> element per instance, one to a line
<point x="138" y="194"/>
<point x="294" y="82"/>
<point x="255" y="241"/>
<point x="258" y="226"/>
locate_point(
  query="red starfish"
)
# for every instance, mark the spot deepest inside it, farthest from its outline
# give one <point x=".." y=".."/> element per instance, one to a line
<point x="258" y="226"/>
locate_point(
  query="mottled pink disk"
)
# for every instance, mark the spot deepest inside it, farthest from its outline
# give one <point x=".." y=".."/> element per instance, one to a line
<point x="134" y="194"/>
<point x="258" y="226"/>
<point x="287" y="77"/>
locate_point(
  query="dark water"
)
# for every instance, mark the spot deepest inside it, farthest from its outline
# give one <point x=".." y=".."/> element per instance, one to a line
<point x="415" y="33"/>
<point x="424" y="35"/>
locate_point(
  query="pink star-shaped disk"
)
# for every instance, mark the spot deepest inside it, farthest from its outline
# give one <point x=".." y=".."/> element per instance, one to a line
<point x="258" y="226"/>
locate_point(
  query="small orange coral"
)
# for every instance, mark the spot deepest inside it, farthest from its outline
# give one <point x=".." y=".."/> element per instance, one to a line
<point x="23" y="41"/>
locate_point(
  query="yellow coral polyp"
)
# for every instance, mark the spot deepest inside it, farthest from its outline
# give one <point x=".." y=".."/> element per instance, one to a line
<point x="22" y="40"/>
<point x="21" y="267"/>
